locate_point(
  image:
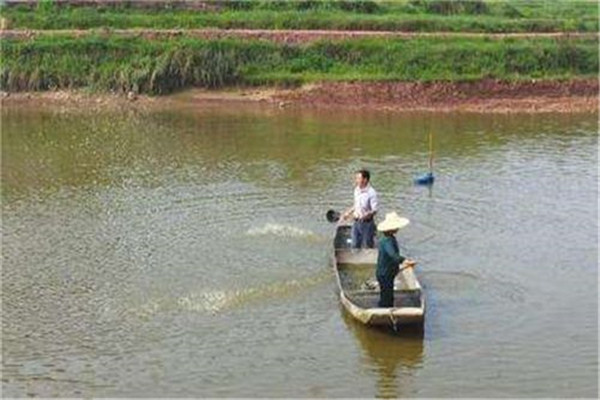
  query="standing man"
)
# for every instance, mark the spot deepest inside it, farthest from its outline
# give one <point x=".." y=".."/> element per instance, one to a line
<point x="363" y="211"/>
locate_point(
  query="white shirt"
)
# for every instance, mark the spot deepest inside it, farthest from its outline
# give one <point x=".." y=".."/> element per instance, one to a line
<point x="365" y="200"/>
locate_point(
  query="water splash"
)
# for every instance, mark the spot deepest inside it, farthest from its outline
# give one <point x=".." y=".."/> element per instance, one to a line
<point x="211" y="301"/>
<point x="283" y="231"/>
<point x="216" y="301"/>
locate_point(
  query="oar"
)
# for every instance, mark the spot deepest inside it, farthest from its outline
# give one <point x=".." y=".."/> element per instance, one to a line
<point x="332" y="216"/>
<point x="431" y="153"/>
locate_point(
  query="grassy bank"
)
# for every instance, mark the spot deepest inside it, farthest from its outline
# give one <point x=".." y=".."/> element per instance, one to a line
<point x="408" y="15"/>
<point x="159" y="67"/>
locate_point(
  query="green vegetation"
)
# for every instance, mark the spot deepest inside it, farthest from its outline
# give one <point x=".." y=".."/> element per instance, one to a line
<point x="406" y="15"/>
<point x="158" y="67"/>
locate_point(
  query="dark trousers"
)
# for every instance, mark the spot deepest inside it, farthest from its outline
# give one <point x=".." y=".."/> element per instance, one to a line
<point x="363" y="232"/>
<point x="386" y="286"/>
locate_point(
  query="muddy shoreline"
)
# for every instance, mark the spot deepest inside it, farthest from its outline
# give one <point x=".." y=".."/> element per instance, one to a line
<point x="487" y="96"/>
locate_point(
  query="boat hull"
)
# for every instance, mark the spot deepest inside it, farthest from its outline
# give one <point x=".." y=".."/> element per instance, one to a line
<point x="359" y="292"/>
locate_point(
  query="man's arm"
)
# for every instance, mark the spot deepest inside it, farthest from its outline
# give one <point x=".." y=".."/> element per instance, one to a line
<point x="346" y="214"/>
<point x="373" y="202"/>
<point x="369" y="215"/>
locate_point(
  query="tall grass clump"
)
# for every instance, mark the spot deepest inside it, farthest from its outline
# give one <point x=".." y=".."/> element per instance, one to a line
<point x="160" y="67"/>
<point x="119" y="64"/>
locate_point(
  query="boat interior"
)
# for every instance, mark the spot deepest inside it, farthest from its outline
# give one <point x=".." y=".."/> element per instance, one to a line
<point x="361" y="287"/>
<point x="356" y="269"/>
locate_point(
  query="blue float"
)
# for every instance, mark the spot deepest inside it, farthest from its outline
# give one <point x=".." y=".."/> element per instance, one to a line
<point x="428" y="178"/>
<point x="425" y="179"/>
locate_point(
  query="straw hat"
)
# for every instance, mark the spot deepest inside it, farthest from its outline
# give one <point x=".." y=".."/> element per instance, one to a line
<point x="392" y="222"/>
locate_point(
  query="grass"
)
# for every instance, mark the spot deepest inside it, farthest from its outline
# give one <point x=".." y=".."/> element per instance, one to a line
<point x="159" y="67"/>
<point x="407" y="15"/>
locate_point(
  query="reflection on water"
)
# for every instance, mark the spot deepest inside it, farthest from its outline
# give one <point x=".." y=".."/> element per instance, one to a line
<point x="184" y="253"/>
<point x="295" y="148"/>
<point x="394" y="356"/>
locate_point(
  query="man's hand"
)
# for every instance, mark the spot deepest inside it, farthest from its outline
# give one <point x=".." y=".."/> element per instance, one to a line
<point x="346" y="214"/>
<point x="366" y="217"/>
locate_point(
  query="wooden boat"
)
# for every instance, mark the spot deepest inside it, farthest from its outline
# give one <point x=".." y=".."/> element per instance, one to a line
<point x="359" y="290"/>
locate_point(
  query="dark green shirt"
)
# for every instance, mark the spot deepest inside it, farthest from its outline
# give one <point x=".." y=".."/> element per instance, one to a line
<point x="389" y="258"/>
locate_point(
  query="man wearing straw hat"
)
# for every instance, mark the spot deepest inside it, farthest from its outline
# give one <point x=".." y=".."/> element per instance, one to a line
<point x="389" y="258"/>
<point x="363" y="211"/>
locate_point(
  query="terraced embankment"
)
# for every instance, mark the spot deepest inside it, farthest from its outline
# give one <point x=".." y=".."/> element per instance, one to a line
<point x="390" y="69"/>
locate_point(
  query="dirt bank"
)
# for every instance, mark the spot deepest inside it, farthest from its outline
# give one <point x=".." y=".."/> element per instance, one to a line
<point x="487" y="96"/>
<point x="481" y="96"/>
<point x="277" y="35"/>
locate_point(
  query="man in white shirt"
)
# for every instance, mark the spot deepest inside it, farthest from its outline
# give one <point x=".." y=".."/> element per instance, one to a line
<point x="363" y="211"/>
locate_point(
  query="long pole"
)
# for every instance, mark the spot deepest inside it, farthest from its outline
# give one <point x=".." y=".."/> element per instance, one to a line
<point x="431" y="152"/>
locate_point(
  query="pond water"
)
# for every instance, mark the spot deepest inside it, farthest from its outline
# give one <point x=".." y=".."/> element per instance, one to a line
<point x="185" y="253"/>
